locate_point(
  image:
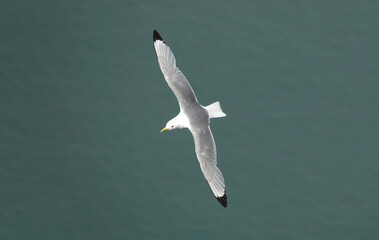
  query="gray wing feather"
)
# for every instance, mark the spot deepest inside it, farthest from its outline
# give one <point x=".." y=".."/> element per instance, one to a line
<point x="205" y="148"/>
<point x="174" y="77"/>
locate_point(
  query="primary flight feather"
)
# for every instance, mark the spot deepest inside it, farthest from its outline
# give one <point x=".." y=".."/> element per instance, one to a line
<point x="193" y="116"/>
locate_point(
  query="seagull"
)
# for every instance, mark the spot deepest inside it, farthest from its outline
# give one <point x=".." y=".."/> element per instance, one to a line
<point x="194" y="116"/>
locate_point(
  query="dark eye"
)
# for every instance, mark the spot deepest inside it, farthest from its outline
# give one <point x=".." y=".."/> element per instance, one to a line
<point x="172" y="126"/>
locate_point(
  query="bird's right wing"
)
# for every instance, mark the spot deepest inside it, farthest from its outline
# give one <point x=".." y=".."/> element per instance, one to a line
<point x="174" y="77"/>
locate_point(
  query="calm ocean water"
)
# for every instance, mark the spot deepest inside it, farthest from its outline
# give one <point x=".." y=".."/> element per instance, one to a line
<point x="82" y="101"/>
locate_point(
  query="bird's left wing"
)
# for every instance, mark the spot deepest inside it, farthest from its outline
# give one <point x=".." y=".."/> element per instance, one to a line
<point x="205" y="148"/>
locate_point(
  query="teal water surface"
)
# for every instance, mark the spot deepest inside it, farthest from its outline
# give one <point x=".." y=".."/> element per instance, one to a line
<point x="82" y="102"/>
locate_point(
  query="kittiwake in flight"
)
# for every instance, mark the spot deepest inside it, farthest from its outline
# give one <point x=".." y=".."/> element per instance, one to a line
<point x="193" y="116"/>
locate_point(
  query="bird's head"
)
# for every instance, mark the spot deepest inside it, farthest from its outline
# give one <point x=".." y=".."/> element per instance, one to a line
<point x="170" y="125"/>
<point x="176" y="123"/>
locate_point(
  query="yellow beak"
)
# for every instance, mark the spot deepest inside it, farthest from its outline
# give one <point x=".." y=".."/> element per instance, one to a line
<point x="164" y="129"/>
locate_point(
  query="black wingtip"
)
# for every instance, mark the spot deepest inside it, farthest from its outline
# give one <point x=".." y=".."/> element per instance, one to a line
<point x="223" y="200"/>
<point x="156" y="36"/>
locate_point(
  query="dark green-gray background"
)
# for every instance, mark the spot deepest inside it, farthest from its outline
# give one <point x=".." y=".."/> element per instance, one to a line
<point x="82" y="100"/>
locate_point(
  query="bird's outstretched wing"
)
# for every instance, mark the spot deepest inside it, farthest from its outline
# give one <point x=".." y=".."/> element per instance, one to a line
<point x="174" y="77"/>
<point x="205" y="148"/>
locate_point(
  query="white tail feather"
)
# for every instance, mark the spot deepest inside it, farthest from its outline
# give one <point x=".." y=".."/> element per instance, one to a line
<point x="214" y="110"/>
